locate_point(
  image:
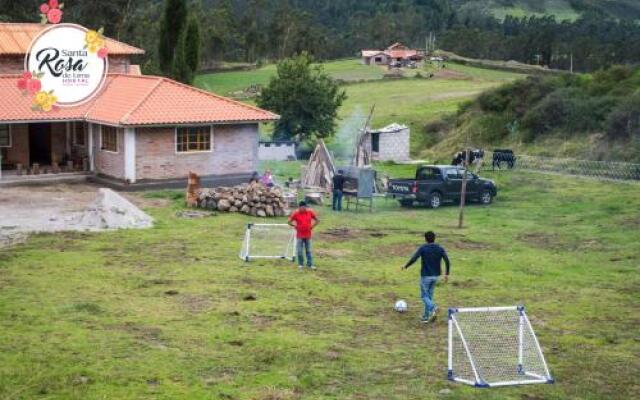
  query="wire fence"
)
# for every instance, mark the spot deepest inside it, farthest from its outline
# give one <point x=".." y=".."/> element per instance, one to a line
<point x="608" y="170"/>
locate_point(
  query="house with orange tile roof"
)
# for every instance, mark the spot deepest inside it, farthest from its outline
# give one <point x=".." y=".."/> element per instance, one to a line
<point x="396" y="54"/>
<point x="137" y="129"/>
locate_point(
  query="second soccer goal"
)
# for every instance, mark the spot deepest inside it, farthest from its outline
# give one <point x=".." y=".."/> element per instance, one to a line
<point x="268" y="241"/>
<point x="494" y="346"/>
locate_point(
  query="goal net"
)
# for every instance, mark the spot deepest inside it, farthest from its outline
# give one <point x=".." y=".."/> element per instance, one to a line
<point x="494" y="346"/>
<point x="268" y="241"/>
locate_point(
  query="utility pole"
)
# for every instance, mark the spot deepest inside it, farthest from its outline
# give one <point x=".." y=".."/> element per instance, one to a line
<point x="463" y="193"/>
<point x="571" y="68"/>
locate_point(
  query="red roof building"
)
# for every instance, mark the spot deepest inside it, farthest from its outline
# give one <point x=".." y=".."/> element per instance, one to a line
<point x="397" y="53"/>
<point x="138" y="128"/>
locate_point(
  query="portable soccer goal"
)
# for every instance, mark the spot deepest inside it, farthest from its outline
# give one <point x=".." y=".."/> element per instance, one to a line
<point x="494" y="346"/>
<point x="268" y="241"/>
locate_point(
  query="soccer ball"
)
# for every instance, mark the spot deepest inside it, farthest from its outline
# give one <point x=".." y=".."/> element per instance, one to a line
<point x="400" y="306"/>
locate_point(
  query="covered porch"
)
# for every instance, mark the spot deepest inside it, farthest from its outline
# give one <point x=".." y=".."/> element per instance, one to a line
<point x="32" y="149"/>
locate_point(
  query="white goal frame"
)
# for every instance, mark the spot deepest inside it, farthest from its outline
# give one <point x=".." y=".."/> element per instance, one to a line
<point x="288" y="252"/>
<point x="524" y="327"/>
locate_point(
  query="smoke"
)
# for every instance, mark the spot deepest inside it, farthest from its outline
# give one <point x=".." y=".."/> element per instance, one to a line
<point x="342" y="144"/>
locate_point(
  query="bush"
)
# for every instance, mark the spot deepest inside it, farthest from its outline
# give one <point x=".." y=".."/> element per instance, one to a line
<point x="624" y="120"/>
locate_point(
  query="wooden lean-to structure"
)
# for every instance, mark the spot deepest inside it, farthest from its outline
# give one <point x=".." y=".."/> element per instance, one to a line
<point x="319" y="171"/>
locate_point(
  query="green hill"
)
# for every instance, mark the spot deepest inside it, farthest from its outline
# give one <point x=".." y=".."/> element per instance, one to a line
<point x="595" y="116"/>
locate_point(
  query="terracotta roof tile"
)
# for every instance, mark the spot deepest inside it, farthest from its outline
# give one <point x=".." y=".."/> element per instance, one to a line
<point x="15" y="39"/>
<point x="133" y="100"/>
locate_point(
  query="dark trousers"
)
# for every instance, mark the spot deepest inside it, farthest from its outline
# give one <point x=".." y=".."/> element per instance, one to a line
<point x="337" y="200"/>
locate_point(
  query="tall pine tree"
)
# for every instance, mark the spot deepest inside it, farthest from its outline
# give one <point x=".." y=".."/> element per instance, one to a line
<point x="173" y="23"/>
<point x="192" y="45"/>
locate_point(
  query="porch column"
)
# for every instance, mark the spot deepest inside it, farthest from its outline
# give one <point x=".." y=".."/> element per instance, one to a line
<point x="130" y="155"/>
<point x="68" y="138"/>
<point x="91" y="129"/>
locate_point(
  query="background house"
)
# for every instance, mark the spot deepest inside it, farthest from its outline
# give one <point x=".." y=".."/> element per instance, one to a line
<point x="138" y="128"/>
<point x="391" y="143"/>
<point x="396" y="54"/>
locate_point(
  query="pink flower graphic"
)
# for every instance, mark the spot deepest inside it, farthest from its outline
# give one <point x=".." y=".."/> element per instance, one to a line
<point x="44" y="8"/>
<point x="27" y="75"/>
<point x="33" y="86"/>
<point x="54" y="3"/>
<point x="103" y="52"/>
<point x="54" y="15"/>
<point x="22" y="84"/>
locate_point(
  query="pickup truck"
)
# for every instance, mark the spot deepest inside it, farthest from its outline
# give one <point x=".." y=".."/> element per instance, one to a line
<point x="435" y="184"/>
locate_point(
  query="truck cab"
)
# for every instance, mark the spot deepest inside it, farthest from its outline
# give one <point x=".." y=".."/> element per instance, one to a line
<point x="435" y="184"/>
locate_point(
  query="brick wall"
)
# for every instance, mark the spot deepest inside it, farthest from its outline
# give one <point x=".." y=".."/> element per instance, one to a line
<point x="19" y="150"/>
<point x="106" y="162"/>
<point x="58" y="142"/>
<point x="15" y="64"/>
<point x="235" y="150"/>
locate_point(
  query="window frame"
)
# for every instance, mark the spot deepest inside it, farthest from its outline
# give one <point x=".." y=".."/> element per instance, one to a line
<point x="84" y="136"/>
<point x="175" y="140"/>
<point x="10" y="137"/>
<point x="102" y="139"/>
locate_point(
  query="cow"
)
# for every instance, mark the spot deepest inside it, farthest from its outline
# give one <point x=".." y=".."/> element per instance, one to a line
<point x="503" y="155"/>
<point x="475" y="157"/>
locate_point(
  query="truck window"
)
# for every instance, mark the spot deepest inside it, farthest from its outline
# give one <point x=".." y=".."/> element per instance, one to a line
<point x="454" y="174"/>
<point x="428" y="174"/>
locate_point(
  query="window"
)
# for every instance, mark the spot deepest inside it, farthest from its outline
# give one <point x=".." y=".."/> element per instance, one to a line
<point x="454" y="174"/>
<point x="78" y="133"/>
<point x="109" y="139"/>
<point x="5" y="136"/>
<point x="193" y="139"/>
<point x="375" y="142"/>
<point x="428" y="174"/>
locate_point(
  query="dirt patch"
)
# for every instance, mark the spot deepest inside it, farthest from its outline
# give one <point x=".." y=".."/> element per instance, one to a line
<point x="398" y="250"/>
<point x="465" y="283"/>
<point x="542" y="240"/>
<point x="341" y="234"/>
<point x="195" y="303"/>
<point x="333" y="252"/>
<point x="555" y="242"/>
<point x="461" y="243"/>
<point x="458" y="243"/>
<point x="147" y="334"/>
<point x="263" y="321"/>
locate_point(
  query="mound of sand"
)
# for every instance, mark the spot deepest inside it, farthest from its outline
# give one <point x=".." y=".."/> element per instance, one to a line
<point x="112" y="211"/>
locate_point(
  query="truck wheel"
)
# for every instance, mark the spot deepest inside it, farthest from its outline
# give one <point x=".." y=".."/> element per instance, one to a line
<point x="435" y="200"/>
<point x="485" y="197"/>
<point x="406" y="203"/>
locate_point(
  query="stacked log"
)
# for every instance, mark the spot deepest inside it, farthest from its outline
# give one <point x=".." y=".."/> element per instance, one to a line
<point x="250" y="199"/>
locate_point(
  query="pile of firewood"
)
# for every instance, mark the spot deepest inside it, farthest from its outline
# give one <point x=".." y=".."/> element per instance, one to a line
<point x="251" y="199"/>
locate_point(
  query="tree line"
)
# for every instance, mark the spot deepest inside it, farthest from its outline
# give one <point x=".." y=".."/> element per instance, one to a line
<point x="270" y="30"/>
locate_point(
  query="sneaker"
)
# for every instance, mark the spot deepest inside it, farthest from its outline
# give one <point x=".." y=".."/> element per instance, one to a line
<point x="433" y="316"/>
<point x="435" y="310"/>
<point x="311" y="267"/>
<point x="300" y="267"/>
<point x="424" y="320"/>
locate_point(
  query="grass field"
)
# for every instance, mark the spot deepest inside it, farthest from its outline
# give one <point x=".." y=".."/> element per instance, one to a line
<point x="171" y="312"/>
<point x="410" y="101"/>
<point x="226" y="83"/>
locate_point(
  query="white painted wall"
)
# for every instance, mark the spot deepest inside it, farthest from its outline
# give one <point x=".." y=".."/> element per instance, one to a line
<point x="130" y="155"/>
<point x="276" y="151"/>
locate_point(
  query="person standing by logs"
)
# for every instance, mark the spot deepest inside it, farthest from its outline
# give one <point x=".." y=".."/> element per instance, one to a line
<point x="338" y="188"/>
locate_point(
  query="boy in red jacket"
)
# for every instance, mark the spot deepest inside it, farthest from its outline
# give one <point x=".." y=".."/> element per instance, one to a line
<point x="304" y="220"/>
